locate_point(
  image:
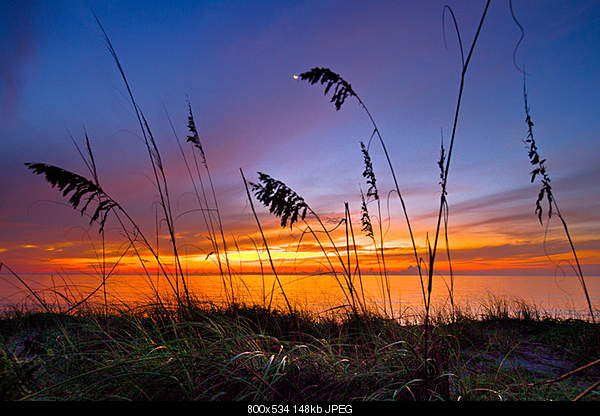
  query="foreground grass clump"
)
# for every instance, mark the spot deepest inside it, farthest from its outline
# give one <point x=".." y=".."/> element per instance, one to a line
<point x="250" y="353"/>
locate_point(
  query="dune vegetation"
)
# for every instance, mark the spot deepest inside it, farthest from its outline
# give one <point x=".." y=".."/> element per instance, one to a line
<point x="183" y="348"/>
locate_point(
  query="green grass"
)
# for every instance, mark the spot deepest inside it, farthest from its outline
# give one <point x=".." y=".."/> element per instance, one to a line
<point x="191" y="351"/>
<point x="250" y="353"/>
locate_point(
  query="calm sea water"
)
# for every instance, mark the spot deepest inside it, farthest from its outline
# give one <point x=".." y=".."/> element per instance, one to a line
<point x="556" y="295"/>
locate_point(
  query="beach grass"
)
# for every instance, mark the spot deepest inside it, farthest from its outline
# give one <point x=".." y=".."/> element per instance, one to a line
<point x="185" y="349"/>
<point x="254" y="354"/>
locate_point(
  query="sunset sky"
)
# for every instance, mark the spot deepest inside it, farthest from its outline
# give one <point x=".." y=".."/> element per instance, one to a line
<point x="234" y="61"/>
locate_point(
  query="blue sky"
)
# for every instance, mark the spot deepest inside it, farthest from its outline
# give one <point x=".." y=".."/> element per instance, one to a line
<point x="234" y="61"/>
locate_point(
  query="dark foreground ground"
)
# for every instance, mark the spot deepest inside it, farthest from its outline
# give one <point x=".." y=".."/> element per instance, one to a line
<point x="242" y="353"/>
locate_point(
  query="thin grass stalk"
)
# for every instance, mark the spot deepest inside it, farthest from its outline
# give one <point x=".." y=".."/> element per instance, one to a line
<point x="381" y="275"/>
<point x="346" y="271"/>
<point x="102" y="285"/>
<point x="357" y="270"/>
<point x="220" y="223"/>
<point x="328" y="234"/>
<point x="331" y="266"/>
<point x="80" y="187"/>
<point x="265" y="242"/>
<point x="465" y="66"/>
<point x="155" y="161"/>
<point x="403" y="204"/>
<point x="197" y="145"/>
<point x="55" y="291"/>
<point x="427" y="307"/>
<point x="212" y="228"/>
<point x="308" y="230"/>
<point x="372" y="191"/>
<point x="451" y="290"/>
<point x="346" y="226"/>
<point x="289" y="206"/>
<point x="94" y="172"/>
<point x="451" y="287"/>
<point x="381" y="246"/>
<point x="579" y="271"/>
<point x="262" y="271"/>
<point x="166" y="204"/>
<point x="351" y="287"/>
<point x="104" y="275"/>
<point x="368" y="229"/>
<point x="148" y="246"/>
<point x="546" y="190"/>
<point x="205" y="210"/>
<point x="91" y="165"/>
<point x="157" y="228"/>
<point x="587" y="391"/>
<point x="241" y="271"/>
<point x="339" y="98"/>
<point x="42" y="303"/>
<point x="66" y="287"/>
<point x="455" y="124"/>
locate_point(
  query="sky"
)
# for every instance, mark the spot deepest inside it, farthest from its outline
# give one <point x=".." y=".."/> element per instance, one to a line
<point x="235" y="61"/>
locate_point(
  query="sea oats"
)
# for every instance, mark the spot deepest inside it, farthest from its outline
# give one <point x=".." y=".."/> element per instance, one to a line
<point x="365" y="218"/>
<point x="282" y="201"/>
<point x="326" y="76"/>
<point x="368" y="173"/>
<point x="79" y="187"/>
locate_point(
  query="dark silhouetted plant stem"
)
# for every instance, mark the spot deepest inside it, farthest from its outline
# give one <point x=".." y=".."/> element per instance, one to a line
<point x="221" y="231"/>
<point x="347" y="227"/>
<point x="205" y="209"/>
<point x="156" y="163"/>
<point x="385" y="273"/>
<point x="449" y="157"/>
<point x="265" y="241"/>
<point x="33" y="292"/>
<point x="103" y="284"/>
<point x="335" y="275"/>
<point x="389" y="161"/>
<point x="432" y="252"/>
<point x="546" y="190"/>
<point x="579" y="271"/>
<point x="451" y="290"/>
<point x="357" y="271"/>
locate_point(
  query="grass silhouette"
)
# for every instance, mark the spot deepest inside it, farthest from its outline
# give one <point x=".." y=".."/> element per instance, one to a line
<point x="181" y="348"/>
